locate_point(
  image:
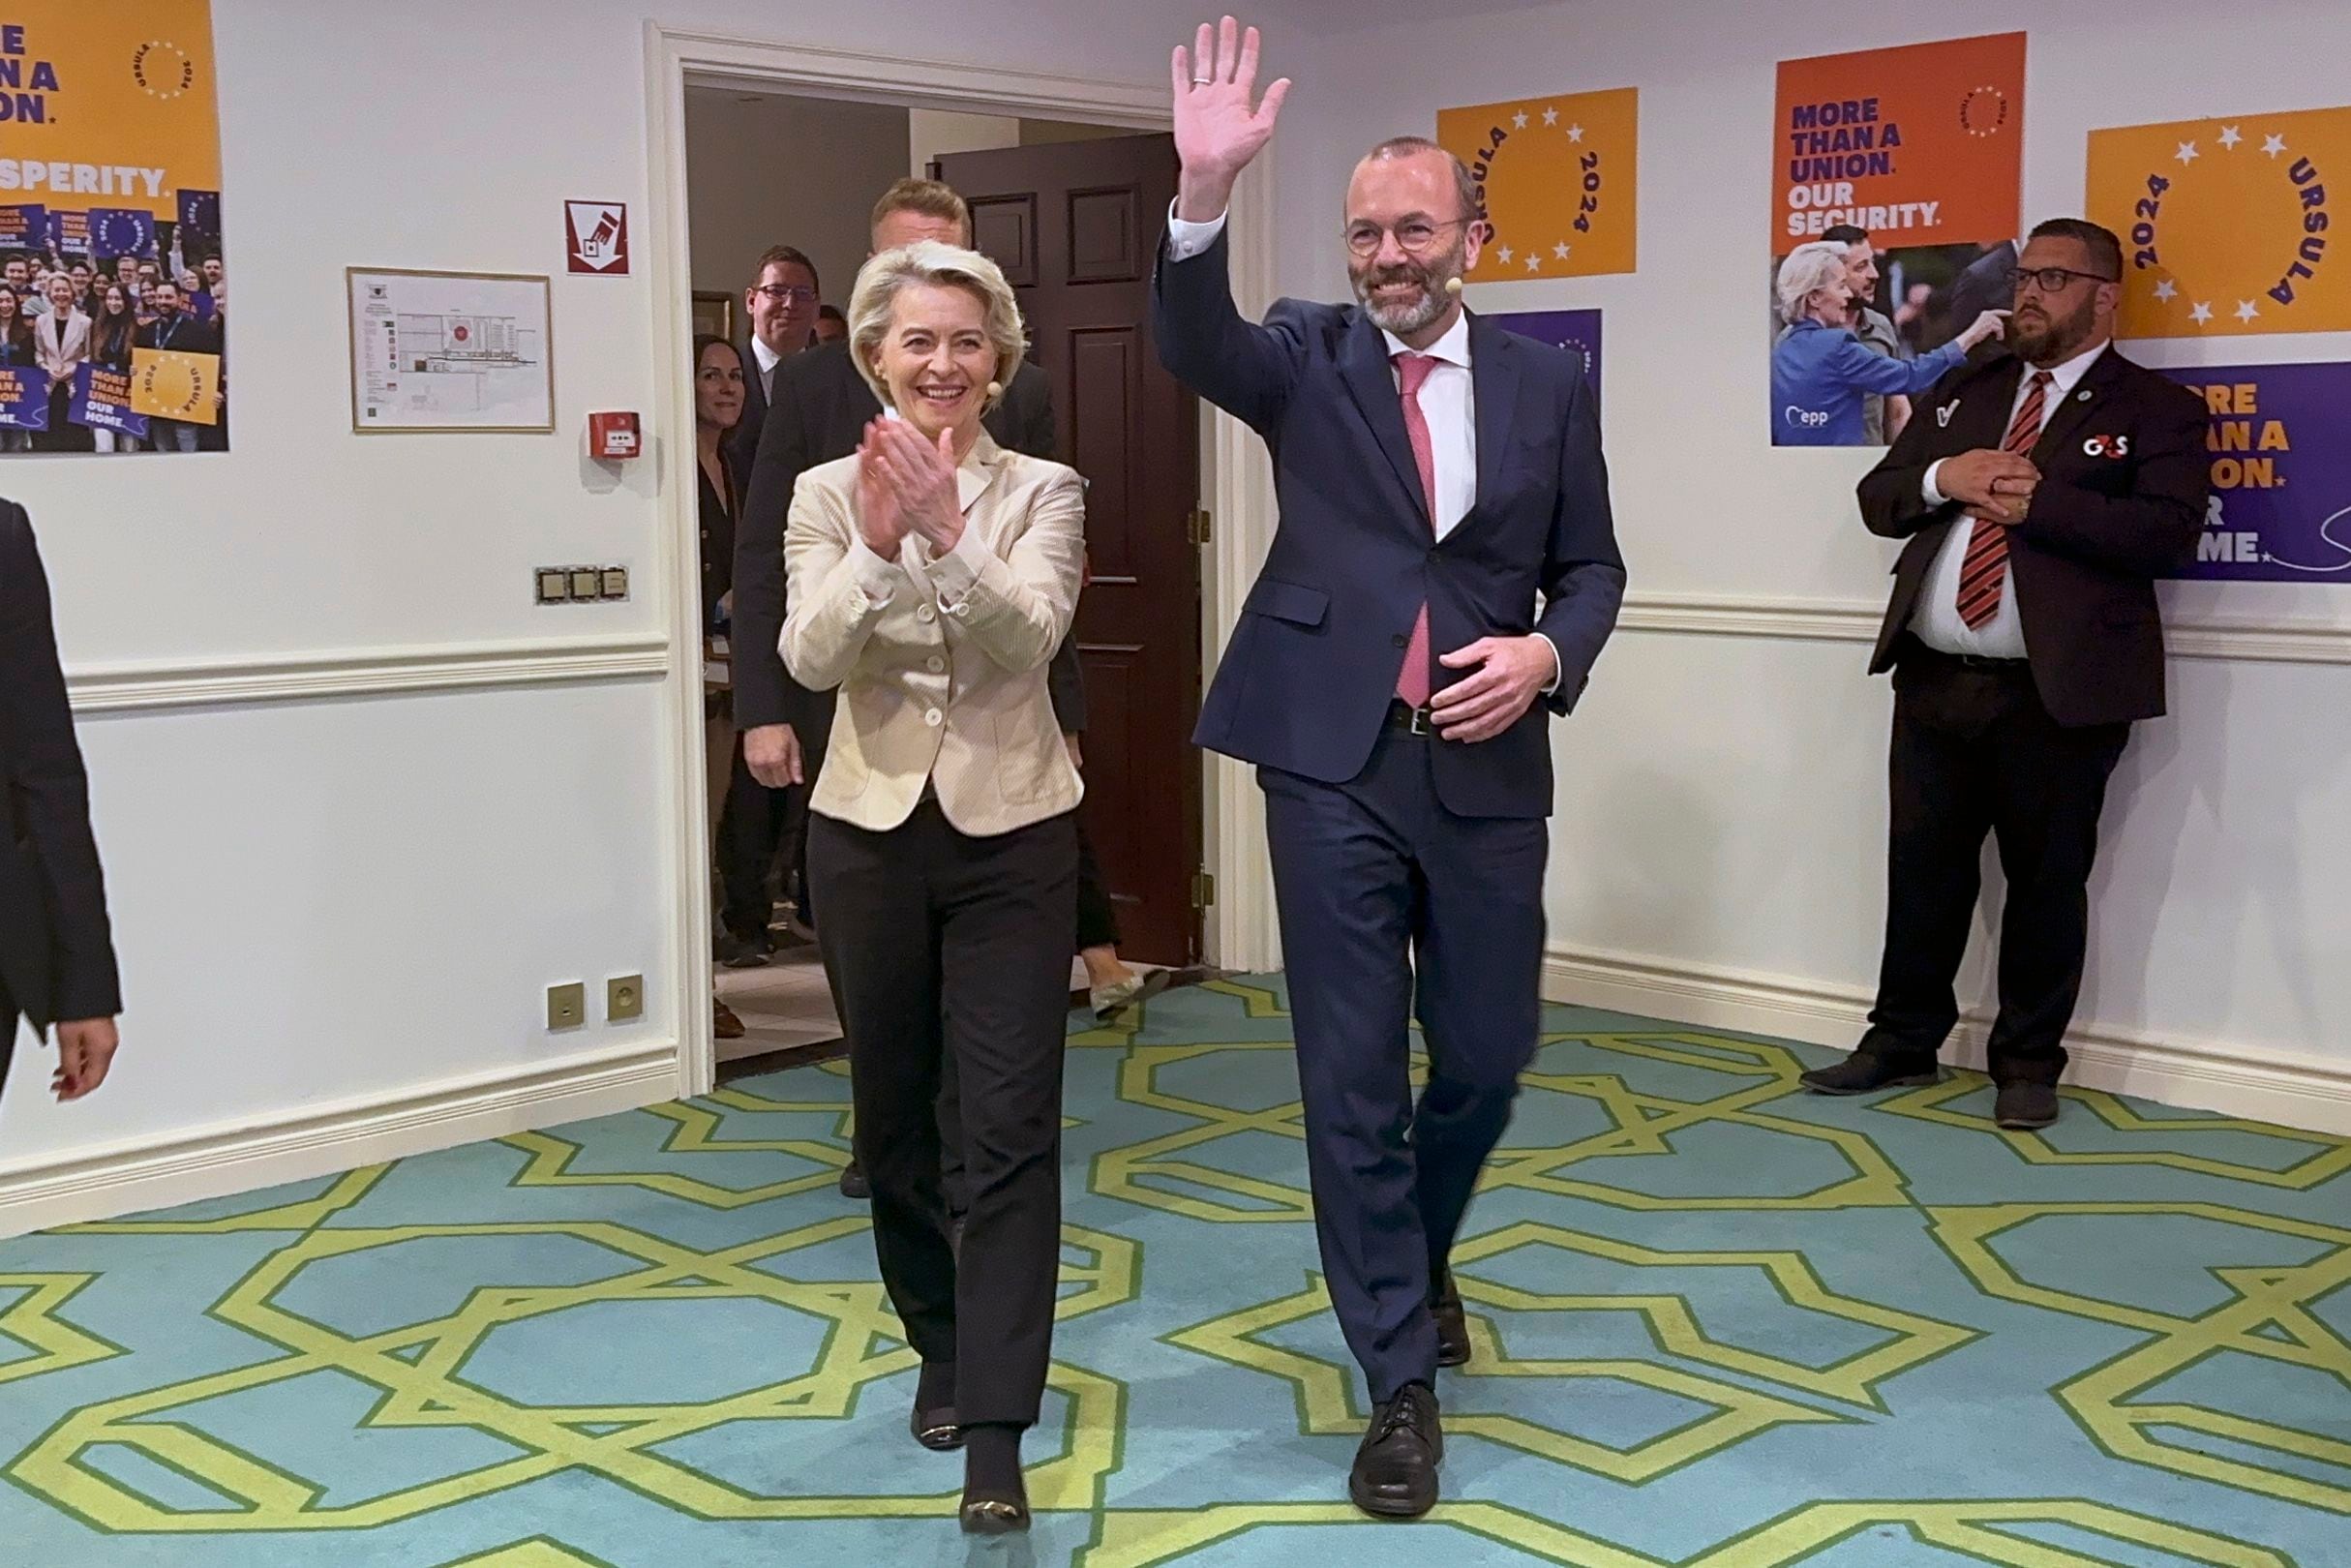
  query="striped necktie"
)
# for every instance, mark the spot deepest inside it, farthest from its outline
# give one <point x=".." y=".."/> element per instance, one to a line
<point x="1985" y="568"/>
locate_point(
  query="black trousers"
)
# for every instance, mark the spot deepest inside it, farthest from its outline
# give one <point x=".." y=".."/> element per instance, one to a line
<point x="1974" y="751"/>
<point x="7" y="1032"/>
<point x="948" y="948"/>
<point x="1393" y="908"/>
<point x="1097" y="916"/>
<point x="755" y="823"/>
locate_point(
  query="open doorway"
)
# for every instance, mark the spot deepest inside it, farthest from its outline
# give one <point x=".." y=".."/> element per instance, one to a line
<point x="1072" y="212"/>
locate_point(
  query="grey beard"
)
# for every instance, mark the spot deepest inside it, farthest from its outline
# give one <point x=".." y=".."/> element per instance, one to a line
<point x="1404" y="319"/>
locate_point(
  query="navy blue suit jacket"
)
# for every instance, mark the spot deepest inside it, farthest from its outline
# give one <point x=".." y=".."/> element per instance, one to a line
<point x="1306" y="681"/>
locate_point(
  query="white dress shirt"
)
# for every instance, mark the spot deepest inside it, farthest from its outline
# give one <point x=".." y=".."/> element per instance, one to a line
<point x="1448" y="399"/>
<point x="1936" y="622"/>
<point x="767" y="359"/>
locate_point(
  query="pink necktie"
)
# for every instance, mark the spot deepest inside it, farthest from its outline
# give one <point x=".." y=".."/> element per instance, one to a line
<point x="1413" y="680"/>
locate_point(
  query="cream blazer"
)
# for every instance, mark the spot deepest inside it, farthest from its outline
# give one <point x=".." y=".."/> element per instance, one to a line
<point x="940" y="659"/>
<point x="61" y="346"/>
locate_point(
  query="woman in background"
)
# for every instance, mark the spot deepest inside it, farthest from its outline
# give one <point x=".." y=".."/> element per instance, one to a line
<point x="17" y="350"/>
<point x="113" y="324"/>
<point x="718" y="404"/>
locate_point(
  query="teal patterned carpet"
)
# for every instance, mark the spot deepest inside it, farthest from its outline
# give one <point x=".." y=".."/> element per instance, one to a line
<point x="1720" y="1324"/>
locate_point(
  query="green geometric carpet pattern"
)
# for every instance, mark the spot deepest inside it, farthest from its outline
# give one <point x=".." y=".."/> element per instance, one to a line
<point x="1719" y="1323"/>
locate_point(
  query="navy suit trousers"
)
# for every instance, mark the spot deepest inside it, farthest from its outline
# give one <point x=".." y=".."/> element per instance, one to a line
<point x="1375" y="879"/>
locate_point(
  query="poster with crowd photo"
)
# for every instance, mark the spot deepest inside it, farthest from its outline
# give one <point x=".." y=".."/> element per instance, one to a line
<point x="1559" y="181"/>
<point x="1897" y="179"/>
<point x="114" y="276"/>
<point x="1575" y="331"/>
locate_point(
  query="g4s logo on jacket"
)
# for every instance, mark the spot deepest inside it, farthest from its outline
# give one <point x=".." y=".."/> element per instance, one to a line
<point x="2107" y="446"/>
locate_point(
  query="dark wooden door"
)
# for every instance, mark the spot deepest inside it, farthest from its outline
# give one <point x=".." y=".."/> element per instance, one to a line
<point x="1076" y="225"/>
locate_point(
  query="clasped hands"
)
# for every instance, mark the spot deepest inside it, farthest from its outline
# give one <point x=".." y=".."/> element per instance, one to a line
<point x="1995" y="487"/>
<point x="907" y="485"/>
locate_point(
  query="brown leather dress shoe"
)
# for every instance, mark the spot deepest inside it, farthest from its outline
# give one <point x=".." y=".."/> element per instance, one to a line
<point x="727" y="1026"/>
<point x="1452" y="1323"/>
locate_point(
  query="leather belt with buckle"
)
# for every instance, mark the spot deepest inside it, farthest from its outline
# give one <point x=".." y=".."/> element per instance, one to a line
<point x="1411" y="720"/>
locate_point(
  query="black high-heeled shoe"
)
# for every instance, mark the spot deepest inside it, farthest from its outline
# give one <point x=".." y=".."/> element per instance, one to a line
<point x="936" y="1429"/>
<point x="995" y="1495"/>
<point x="993" y="1514"/>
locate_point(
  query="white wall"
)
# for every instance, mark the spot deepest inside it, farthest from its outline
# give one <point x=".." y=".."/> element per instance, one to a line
<point x="1719" y="846"/>
<point x="779" y="171"/>
<point x="936" y="133"/>
<point x="360" y="800"/>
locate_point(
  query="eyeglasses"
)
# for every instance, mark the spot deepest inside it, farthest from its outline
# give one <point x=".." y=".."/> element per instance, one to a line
<point x="1414" y="234"/>
<point x="2051" y="280"/>
<point x="787" y="293"/>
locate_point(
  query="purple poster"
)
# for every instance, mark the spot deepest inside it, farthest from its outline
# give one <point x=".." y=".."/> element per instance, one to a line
<point x="2280" y="510"/>
<point x="102" y="401"/>
<point x="1575" y="331"/>
<point x="24" y="227"/>
<point x="25" y="397"/>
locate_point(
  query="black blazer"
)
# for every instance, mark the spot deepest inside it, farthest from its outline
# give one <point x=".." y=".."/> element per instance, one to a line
<point x="57" y="950"/>
<point x="2124" y="483"/>
<point x="1306" y="682"/>
<point x="821" y="408"/>
<point x="742" y="442"/>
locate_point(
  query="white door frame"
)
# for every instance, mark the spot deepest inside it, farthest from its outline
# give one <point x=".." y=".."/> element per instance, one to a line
<point x="1237" y="482"/>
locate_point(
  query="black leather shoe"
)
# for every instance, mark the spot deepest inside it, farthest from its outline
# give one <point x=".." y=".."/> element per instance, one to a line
<point x="2025" y="1105"/>
<point x="1452" y="1325"/>
<point x="852" y="1182"/>
<point x="991" y="1514"/>
<point x="1862" y="1072"/>
<point x="1395" y="1474"/>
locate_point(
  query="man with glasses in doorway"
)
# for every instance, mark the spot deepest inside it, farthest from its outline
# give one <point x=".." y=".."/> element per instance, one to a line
<point x="783" y="301"/>
<point x="758" y="817"/>
<point x="2041" y="491"/>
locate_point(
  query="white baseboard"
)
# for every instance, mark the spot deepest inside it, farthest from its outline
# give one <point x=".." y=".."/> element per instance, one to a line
<point x="102" y="1184"/>
<point x="2261" y="1085"/>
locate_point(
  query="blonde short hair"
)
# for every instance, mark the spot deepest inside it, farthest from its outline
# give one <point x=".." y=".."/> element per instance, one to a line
<point x="927" y="198"/>
<point x="944" y="267"/>
<point x="1808" y="269"/>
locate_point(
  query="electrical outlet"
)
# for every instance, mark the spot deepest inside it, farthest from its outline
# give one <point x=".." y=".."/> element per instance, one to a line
<point x="624" y="998"/>
<point x="566" y="1006"/>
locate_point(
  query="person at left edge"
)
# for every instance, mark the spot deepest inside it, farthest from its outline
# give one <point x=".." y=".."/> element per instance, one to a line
<point x="56" y="948"/>
<point x="1443" y="579"/>
<point x="930" y="577"/>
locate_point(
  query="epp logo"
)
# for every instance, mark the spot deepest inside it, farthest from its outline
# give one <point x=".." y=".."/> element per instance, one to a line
<point x="2107" y="446"/>
<point x="1805" y="418"/>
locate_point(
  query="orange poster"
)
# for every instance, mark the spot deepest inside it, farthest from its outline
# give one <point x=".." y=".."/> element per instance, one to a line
<point x="1558" y="180"/>
<point x="1920" y="145"/>
<point x="2225" y="223"/>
